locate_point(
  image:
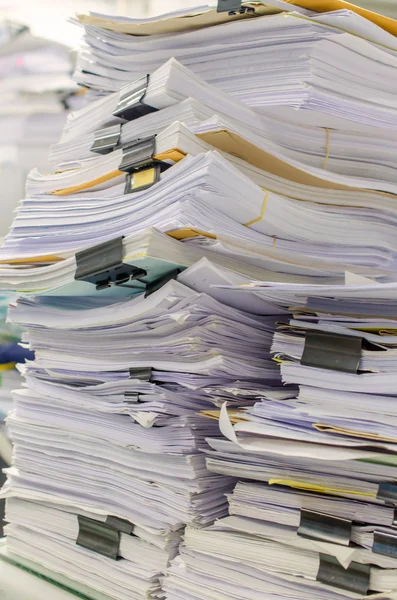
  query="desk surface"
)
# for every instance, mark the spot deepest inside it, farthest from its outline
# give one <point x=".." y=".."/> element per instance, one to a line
<point x="21" y="578"/>
<point x="16" y="583"/>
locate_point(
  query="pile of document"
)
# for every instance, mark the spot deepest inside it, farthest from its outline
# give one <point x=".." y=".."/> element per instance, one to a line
<point x="107" y="432"/>
<point x="304" y="67"/>
<point x="323" y="513"/>
<point x="207" y="279"/>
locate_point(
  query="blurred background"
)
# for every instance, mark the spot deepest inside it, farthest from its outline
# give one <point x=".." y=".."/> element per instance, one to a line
<point x="48" y="18"/>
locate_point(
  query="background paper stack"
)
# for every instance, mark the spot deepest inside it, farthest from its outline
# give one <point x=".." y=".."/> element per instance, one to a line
<point x="35" y="86"/>
<point x="188" y="235"/>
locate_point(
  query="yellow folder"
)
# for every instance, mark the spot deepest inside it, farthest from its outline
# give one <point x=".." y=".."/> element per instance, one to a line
<point x="178" y="24"/>
<point x="387" y="23"/>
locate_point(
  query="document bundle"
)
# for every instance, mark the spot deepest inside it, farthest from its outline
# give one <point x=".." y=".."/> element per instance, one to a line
<point x="286" y="61"/>
<point x="107" y="433"/>
<point x="207" y="280"/>
<point x="321" y="510"/>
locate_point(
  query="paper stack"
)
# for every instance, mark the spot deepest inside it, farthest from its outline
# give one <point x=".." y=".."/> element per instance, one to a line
<point x="185" y="245"/>
<point x="282" y="62"/>
<point x="324" y="512"/>
<point x="108" y="430"/>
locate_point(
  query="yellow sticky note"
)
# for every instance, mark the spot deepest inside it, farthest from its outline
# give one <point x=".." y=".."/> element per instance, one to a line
<point x="144" y="178"/>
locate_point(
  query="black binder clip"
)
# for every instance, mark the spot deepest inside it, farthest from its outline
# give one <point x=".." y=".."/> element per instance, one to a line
<point x="143" y="373"/>
<point x="106" y="139"/>
<point x="318" y="526"/>
<point x="120" y="525"/>
<point x="142" y="169"/>
<point x="158" y="283"/>
<point x="353" y="579"/>
<point x="103" y="537"/>
<point x="233" y="7"/>
<point x="332" y="351"/>
<point x="132" y="397"/>
<point x="103" y="265"/>
<point x="388" y="493"/>
<point x="98" y="537"/>
<point x="385" y="543"/>
<point x="131" y="104"/>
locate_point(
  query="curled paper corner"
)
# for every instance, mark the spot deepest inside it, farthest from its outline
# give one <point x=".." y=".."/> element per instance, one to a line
<point x="146" y="420"/>
<point x="226" y="426"/>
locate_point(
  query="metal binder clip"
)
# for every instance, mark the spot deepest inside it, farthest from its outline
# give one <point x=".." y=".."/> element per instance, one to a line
<point x="388" y="493"/>
<point x="332" y="351"/>
<point x="385" y="544"/>
<point x="131" y="104"/>
<point x="142" y="169"/>
<point x="132" y="397"/>
<point x="158" y="283"/>
<point x="233" y="7"/>
<point x="103" y="265"/>
<point x="143" y="373"/>
<point x="120" y="525"/>
<point x="228" y="6"/>
<point x="103" y="537"/>
<point x="318" y="526"/>
<point x="353" y="579"/>
<point x="98" y="537"/>
<point x="106" y="139"/>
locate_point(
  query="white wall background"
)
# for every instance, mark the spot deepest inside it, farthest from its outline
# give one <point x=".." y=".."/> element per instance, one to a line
<point x="48" y="18"/>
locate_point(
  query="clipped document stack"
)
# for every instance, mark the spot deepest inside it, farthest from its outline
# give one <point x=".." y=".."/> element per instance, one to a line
<point x="303" y="67"/>
<point x="322" y="513"/>
<point x="107" y="431"/>
<point x="178" y="230"/>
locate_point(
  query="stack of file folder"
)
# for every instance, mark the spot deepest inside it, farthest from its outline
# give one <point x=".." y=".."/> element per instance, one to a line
<point x="207" y="279"/>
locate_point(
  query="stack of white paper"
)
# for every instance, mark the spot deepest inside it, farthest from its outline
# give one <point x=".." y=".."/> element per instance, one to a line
<point x="179" y="94"/>
<point x="106" y="427"/>
<point x="89" y="204"/>
<point x="326" y="456"/>
<point x="270" y="61"/>
<point x="208" y="285"/>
